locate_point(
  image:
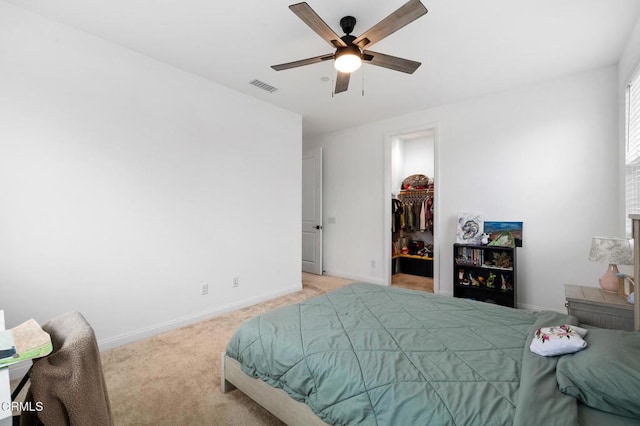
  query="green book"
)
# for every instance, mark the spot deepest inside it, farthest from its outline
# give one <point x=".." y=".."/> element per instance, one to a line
<point x="22" y="342"/>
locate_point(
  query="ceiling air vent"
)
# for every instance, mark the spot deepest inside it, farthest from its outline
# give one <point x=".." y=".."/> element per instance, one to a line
<point x="264" y="86"/>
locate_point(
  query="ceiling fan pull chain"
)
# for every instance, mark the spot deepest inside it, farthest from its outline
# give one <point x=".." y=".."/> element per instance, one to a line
<point x="363" y="81"/>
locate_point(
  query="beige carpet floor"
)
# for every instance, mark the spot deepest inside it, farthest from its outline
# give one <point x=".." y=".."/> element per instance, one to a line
<point x="174" y="378"/>
<point x="412" y="282"/>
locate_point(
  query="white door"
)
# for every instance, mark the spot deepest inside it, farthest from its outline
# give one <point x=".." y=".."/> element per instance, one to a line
<point x="312" y="211"/>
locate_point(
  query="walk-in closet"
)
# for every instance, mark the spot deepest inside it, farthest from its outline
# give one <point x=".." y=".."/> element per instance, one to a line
<point x="413" y="201"/>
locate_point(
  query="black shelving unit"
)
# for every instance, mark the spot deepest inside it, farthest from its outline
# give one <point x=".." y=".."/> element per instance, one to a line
<point x="413" y="264"/>
<point x="485" y="273"/>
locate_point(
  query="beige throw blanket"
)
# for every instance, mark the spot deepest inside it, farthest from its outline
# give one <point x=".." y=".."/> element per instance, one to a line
<point x="69" y="382"/>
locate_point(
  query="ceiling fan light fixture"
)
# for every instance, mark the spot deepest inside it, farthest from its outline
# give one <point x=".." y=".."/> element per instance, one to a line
<point x="349" y="52"/>
<point x="348" y="59"/>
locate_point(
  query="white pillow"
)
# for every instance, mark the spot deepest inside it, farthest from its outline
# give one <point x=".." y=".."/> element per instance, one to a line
<point x="558" y="340"/>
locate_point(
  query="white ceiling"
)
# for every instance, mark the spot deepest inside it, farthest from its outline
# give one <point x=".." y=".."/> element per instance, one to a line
<point x="467" y="47"/>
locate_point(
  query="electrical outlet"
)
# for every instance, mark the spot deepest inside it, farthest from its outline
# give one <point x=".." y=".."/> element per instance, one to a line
<point x="204" y="289"/>
<point x="236" y="281"/>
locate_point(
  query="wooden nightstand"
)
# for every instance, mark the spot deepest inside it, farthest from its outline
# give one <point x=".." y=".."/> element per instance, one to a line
<point x="592" y="306"/>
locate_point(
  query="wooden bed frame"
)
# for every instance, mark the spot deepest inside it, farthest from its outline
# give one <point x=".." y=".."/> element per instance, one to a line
<point x="293" y="412"/>
<point x="276" y="401"/>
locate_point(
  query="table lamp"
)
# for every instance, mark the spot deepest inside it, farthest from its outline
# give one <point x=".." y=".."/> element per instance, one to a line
<point x="614" y="251"/>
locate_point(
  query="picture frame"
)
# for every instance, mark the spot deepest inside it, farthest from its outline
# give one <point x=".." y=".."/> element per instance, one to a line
<point x="504" y="234"/>
<point x="469" y="228"/>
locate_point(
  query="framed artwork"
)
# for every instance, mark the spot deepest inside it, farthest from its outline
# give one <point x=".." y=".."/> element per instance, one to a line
<point x="469" y="228"/>
<point x="504" y="234"/>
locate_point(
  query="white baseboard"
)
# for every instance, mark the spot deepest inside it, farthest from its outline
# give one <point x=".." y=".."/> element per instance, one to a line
<point x="153" y="330"/>
<point x="20" y="369"/>
<point x="337" y="274"/>
<point x="534" y="308"/>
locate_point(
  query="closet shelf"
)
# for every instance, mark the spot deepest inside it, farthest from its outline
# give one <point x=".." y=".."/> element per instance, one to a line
<point x="409" y="195"/>
<point x="412" y="256"/>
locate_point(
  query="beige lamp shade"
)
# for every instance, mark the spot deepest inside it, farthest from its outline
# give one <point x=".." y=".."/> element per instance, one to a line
<point x="614" y="251"/>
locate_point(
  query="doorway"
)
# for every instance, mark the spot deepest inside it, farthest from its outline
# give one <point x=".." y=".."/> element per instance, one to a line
<point x="411" y="246"/>
<point x="312" y="211"/>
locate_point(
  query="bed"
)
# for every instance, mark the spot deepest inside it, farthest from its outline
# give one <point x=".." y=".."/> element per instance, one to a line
<point x="370" y="354"/>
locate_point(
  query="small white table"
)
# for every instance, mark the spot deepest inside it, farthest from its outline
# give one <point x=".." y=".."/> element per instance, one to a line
<point x="5" y="391"/>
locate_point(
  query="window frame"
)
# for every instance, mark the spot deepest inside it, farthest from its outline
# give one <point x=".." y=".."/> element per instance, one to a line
<point x="632" y="147"/>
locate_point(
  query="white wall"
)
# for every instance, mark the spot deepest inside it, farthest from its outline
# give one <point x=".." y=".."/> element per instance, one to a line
<point x="409" y="157"/>
<point x="397" y="164"/>
<point x="418" y="157"/>
<point x="125" y="184"/>
<point x="545" y="155"/>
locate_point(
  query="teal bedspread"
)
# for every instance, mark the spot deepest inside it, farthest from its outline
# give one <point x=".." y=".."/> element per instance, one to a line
<point x="369" y="354"/>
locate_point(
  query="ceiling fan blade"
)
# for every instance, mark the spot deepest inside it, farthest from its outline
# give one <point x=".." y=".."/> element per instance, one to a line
<point x="404" y="15"/>
<point x="302" y="62"/>
<point x="391" y="62"/>
<point x="311" y="18"/>
<point x="342" y="82"/>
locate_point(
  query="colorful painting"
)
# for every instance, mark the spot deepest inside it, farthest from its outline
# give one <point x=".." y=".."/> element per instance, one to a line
<point x="504" y="234"/>
<point x="469" y="228"/>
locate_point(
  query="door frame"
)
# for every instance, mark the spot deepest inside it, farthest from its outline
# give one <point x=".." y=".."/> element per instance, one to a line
<point x="388" y="142"/>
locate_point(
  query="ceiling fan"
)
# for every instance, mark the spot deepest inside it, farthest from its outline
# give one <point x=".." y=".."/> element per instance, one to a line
<point x="350" y="50"/>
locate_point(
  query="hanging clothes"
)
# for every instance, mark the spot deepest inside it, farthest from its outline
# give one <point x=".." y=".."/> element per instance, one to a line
<point x="411" y="217"/>
<point x="396" y="211"/>
<point x="417" y="206"/>
<point x="428" y="203"/>
<point x="415" y="211"/>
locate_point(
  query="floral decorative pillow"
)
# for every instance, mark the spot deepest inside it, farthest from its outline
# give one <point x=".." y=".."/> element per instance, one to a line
<point x="558" y="340"/>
